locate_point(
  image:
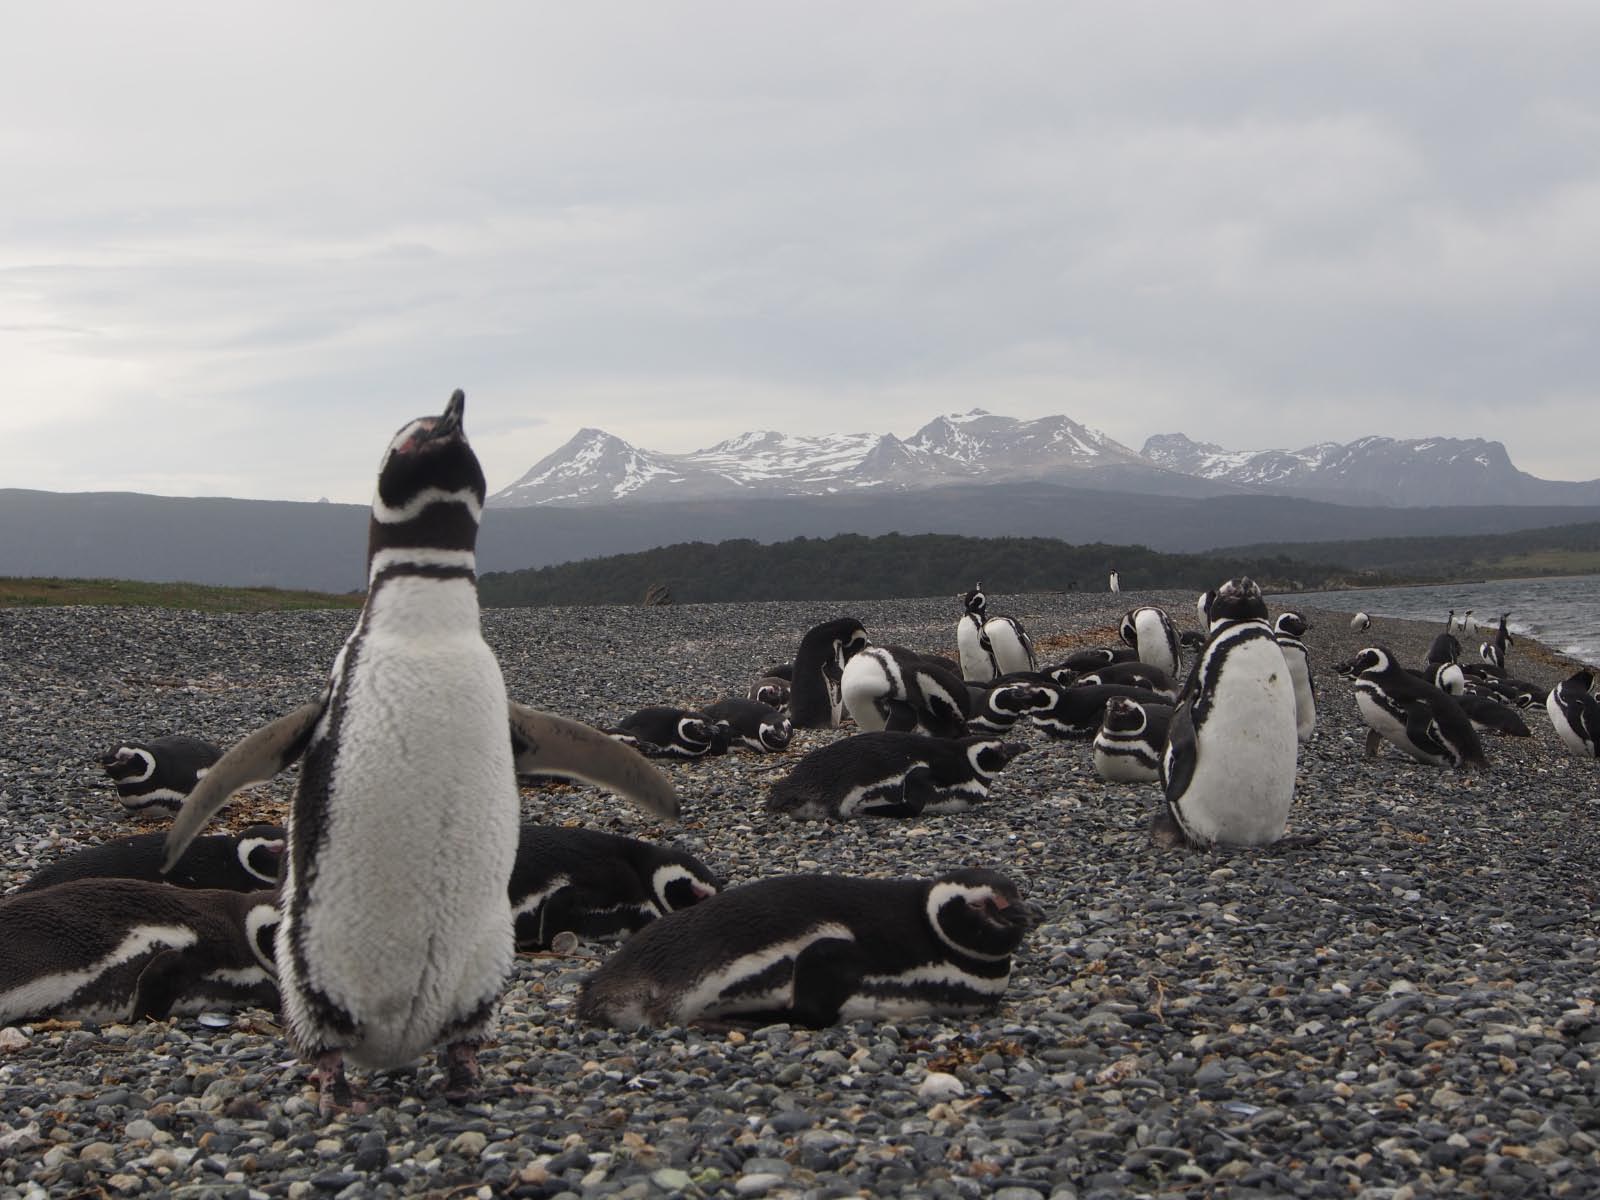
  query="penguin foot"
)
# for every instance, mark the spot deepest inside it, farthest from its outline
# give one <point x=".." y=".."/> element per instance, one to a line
<point x="333" y="1089"/>
<point x="1165" y="834"/>
<point x="462" y="1072"/>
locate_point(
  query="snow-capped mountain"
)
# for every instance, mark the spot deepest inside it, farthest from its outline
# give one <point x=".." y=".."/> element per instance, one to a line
<point x="597" y="468"/>
<point x="1374" y="470"/>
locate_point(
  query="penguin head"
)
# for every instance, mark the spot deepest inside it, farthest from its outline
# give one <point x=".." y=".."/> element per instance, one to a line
<point x="775" y="735"/>
<point x="682" y="883"/>
<point x="697" y="733"/>
<point x="1202" y="605"/>
<point x="979" y="913"/>
<point x="1128" y="631"/>
<point x="1374" y="660"/>
<point x="1017" y="699"/>
<point x="1064" y="675"/>
<point x="129" y="763"/>
<point x="771" y="691"/>
<point x="975" y="601"/>
<point x="1123" y="715"/>
<point x="1291" y="624"/>
<point x="1239" y="600"/>
<point x="1360" y="621"/>
<point x="430" y="487"/>
<point x="990" y="756"/>
<point x="260" y="852"/>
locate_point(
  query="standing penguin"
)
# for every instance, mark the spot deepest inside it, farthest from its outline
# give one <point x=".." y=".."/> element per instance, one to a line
<point x="1228" y="770"/>
<point x="815" y="949"/>
<point x="1115" y="583"/>
<point x="1152" y="635"/>
<point x="814" y="697"/>
<point x="157" y="775"/>
<point x="975" y="650"/>
<point x="1289" y="628"/>
<point x="1416" y="716"/>
<point x="1494" y="652"/>
<point x="396" y="932"/>
<point x="1575" y="714"/>
<point x="1360" y="621"/>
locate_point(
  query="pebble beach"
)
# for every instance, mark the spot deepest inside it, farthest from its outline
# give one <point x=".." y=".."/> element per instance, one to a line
<point x="1404" y="1009"/>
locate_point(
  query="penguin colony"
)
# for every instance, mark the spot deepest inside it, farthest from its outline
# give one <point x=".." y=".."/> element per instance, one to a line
<point x="105" y="935"/>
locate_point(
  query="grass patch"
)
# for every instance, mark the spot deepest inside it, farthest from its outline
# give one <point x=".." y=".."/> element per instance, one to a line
<point x="128" y="593"/>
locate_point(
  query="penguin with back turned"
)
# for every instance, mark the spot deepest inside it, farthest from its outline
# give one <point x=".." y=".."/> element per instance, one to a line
<point x="815" y="701"/>
<point x="1288" y="629"/>
<point x="396" y="933"/>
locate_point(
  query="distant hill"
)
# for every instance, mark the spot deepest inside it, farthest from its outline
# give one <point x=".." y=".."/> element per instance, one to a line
<point x="323" y="546"/>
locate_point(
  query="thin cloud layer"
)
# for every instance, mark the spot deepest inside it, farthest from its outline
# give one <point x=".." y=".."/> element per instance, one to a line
<point x="243" y="244"/>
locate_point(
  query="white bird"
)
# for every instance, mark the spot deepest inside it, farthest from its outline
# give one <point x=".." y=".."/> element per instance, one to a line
<point x="1116" y="587"/>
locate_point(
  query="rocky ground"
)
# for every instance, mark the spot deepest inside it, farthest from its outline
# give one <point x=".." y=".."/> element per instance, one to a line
<point x="1405" y="1009"/>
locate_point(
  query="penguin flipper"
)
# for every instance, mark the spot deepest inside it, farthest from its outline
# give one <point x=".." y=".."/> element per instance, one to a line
<point x="545" y="744"/>
<point x="1177" y="762"/>
<point x="165" y="978"/>
<point x="254" y="760"/>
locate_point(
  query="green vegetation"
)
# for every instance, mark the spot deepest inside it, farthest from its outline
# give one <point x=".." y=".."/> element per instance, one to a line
<point x="854" y="567"/>
<point x="131" y="593"/>
<point x="1555" y="550"/>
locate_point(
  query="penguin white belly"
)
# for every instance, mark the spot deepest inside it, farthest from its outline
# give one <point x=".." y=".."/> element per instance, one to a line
<point x="869" y="680"/>
<point x="407" y="922"/>
<point x="1381" y="719"/>
<point x="1152" y="645"/>
<point x="1305" y="700"/>
<point x="1010" y="652"/>
<point x="1118" y="761"/>
<point x="975" y="664"/>
<point x="1243" y="781"/>
<point x="1564" y="730"/>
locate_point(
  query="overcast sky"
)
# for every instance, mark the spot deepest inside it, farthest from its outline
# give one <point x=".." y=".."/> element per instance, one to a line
<point x="241" y="243"/>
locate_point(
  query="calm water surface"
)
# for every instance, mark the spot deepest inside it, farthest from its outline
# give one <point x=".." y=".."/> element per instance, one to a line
<point x="1561" y="612"/>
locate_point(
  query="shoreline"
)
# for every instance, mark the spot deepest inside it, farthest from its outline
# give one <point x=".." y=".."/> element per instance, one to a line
<point x="1409" y="1003"/>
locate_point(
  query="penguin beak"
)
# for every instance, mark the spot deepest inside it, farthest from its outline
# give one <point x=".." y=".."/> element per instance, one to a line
<point x="449" y="425"/>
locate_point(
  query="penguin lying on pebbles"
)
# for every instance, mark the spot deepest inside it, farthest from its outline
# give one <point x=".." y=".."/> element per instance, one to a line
<point x="815" y="701"/>
<point x="751" y="724"/>
<point x="1419" y="718"/>
<point x="155" y="776"/>
<point x="1228" y="770"/>
<point x="126" y="949"/>
<point x="243" y="862"/>
<point x="1132" y="735"/>
<point x="1075" y="712"/>
<point x="1080" y="662"/>
<point x="396" y="934"/>
<point x="596" y="884"/>
<point x="661" y="731"/>
<point x="1575" y="714"/>
<point x="889" y="774"/>
<point x="816" y="949"/>
<point x="772" y="686"/>
<point x="1125" y="674"/>
<point x="1007" y="700"/>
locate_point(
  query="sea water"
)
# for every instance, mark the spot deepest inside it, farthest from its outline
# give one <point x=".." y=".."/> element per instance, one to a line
<point x="1562" y="612"/>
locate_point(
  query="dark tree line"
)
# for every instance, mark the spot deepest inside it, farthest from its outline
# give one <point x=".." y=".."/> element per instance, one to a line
<point x="856" y="567"/>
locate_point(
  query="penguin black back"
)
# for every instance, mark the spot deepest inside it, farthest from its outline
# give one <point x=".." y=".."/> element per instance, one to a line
<point x="243" y="862"/>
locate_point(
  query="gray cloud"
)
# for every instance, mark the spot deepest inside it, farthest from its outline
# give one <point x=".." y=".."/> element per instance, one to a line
<point x="249" y="242"/>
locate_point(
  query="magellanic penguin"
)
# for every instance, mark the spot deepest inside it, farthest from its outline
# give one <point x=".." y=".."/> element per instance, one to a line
<point x="1081" y="661"/>
<point x="1153" y="636"/>
<point x="243" y="862"/>
<point x="886" y="774"/>
<point x="1494" y="652"/>
<point x="1229" y="767"/>
<point x="974" y="650"/>
<point x="1575" y="714"/>
<point x="597" y="884"/>
<point x="751" y="724"/>
<point x="661" y="731"/>
<point x="890" y="687"/>
<point x="126" y="949"/>
<point x="814" y="697"/>
<point x="396" y="932"/>
<point x="1360" y="622"/>
<point x="1288" y="629"/>
<point x="1417" y="717"/>
<point x="1007" y="700"/>
<point x="771" y="687"/>
<point x="1132" y="735"/>
<point x="158" y="774"/>
<point x="1114" y="583"/>
<point x="815" y="949"/>
<point x="1125" y="674"/>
